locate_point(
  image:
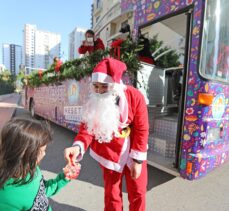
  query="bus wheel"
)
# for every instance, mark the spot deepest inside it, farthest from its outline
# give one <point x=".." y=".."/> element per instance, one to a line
<point x="32" y="109"/>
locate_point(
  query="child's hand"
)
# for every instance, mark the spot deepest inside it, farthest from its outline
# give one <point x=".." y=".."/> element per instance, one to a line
<point x="72" y="171"/>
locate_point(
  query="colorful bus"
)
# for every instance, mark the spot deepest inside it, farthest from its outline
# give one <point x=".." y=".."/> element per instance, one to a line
<point x="188" y="105"/>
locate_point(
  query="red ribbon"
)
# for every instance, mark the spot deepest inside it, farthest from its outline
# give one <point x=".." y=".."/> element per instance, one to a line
<point x="116" y="45"/>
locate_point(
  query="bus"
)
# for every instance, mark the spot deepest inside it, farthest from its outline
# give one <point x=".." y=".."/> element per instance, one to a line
<point x="188" y="105"/>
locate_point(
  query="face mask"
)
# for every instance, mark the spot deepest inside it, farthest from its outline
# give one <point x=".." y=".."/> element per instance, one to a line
<point x="90" y="39"/>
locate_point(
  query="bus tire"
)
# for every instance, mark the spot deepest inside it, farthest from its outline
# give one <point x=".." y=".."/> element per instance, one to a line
<point x="32" y="109"/>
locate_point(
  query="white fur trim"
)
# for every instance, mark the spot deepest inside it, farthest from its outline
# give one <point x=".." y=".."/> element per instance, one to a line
<point x="123" y="108"/>
<point x="138" y="155"/>
<point x="110" y="164"/>
<point x="106" y="163"/>
<point x="101" y="77"/>
<point x="81" y="145"/>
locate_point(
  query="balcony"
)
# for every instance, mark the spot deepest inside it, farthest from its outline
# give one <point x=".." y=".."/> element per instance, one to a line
<point x="98" y="8"/>
<point x="113" y="13"/>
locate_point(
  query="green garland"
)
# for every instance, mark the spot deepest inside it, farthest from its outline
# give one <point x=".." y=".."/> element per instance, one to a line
<point x="170" y="59"/>
<point x="80" y="68"/>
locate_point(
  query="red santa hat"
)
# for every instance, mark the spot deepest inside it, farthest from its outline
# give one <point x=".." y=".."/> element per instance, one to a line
<point x="109" y="70"/>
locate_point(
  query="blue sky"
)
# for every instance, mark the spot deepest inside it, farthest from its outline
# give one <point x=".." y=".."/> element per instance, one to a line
<point x="49" y="15"/>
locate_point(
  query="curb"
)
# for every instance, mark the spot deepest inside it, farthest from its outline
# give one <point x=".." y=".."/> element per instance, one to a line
<point x="13" y="113"/>
<point x="2" y="97"/>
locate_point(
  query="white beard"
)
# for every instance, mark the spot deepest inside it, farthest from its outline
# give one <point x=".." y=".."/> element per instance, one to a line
<point x="101" y="116"/>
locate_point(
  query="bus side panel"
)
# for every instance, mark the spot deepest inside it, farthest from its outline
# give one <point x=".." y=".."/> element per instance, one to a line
<point x="206" y="130"/>
<point x="62" y="103"/>
<point x="202" y="148"/>
<point x="151" y="11"/>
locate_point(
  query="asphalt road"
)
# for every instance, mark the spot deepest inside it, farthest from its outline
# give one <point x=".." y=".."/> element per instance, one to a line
<point x="85" y="193"/>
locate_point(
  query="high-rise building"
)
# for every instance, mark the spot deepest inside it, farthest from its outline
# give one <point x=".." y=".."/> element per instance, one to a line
<point x="6" y="55"/>
<point x="40" y="47"/>
<point x="2" y="68"/>
<point x="75" y="39"/>
<point x="12" y="57"/>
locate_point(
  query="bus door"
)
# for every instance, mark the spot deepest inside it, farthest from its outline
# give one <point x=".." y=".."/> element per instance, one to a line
<point x="163" y="85"/>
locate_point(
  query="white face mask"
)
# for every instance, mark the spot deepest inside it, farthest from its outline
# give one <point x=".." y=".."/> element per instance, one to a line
<point x="90" y="39"/>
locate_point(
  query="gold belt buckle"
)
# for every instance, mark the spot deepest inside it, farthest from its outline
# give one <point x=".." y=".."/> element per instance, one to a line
<point x="125" y="132"/>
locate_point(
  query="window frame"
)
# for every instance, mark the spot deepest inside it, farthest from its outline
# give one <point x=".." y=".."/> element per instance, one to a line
<point x="204" y="49"/>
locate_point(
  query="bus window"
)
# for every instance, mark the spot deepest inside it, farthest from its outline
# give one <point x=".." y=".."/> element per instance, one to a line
<point x="215" y="43"/>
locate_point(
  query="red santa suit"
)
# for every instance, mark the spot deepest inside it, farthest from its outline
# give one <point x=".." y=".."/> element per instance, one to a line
<point x="98" y="44"/>
<point x="116" y="156"/>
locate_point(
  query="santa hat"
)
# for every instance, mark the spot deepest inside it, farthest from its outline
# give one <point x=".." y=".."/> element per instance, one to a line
<point x="109" y="70"/>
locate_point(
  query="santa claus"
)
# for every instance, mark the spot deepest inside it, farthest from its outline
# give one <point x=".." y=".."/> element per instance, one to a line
<point x="115" y="126"/>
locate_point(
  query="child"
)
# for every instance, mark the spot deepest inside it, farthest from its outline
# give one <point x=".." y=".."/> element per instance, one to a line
<point x="22" y="146"/>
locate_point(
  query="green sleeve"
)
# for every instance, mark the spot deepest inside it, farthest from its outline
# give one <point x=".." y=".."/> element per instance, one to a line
<point x="53" y="186"/>
<point x="8" y="208"/>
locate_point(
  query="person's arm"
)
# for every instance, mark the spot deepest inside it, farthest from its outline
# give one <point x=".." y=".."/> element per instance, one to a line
<point x="83" y="49"/>
<point x="83" y="140"/>
<point x="4" y="206"/>
<point x="99" y="44"/>
<point x="53" y="186"/>
<point x="81" y="143"/>
<point x="139" y="129"/>
<point x="139" y="135"/>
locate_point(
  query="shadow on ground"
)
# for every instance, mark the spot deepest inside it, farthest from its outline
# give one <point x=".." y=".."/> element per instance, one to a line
<point x="63" y="207"/>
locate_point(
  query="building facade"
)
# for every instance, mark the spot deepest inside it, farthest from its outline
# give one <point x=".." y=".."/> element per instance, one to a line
<point x="109" y="16"/>
<point x="2" y="68"/>
<point x="108" y="19"/>
<point x="40" y="47"/>
<point x="75" y="39"/>
<point x="12" y="57"/>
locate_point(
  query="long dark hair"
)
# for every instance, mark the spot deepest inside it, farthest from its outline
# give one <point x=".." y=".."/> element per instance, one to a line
<point x="20" y="143"/>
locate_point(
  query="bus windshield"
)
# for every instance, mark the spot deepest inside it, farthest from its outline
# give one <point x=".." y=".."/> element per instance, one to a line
<point x="214" y="61"/>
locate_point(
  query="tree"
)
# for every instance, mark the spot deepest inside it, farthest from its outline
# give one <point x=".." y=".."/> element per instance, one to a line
<point x="7" y="82"/>
<point x="165" y="57"/>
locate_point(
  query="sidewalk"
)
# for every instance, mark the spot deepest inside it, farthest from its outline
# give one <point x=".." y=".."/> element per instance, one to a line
<point x="8" y="104"/>
<point x="209" y="193"/>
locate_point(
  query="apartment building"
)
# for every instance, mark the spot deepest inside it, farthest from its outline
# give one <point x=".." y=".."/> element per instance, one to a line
<point x="75" y="39"/>
<point x="2" y="68"/>
<point x="108" y="19"/>
<point x="40" y="47"/>
<point x="109" y="16"/>
<point x="12" y="57"/>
